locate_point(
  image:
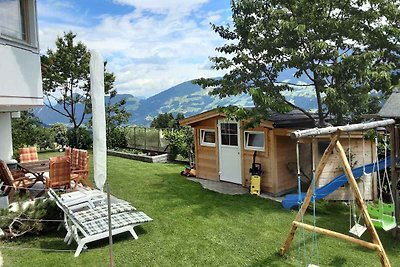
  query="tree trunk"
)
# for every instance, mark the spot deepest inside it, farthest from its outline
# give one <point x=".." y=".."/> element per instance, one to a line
<point x="318" y="89"/>
<point x="76" y="137"/>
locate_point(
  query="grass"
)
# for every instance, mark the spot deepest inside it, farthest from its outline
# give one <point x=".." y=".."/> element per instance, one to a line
<point x="196" y="227"/>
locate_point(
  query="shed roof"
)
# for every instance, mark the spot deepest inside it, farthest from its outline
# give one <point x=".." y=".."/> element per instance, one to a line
<point x="391" y="109"/>
<point x="292" y="119"/>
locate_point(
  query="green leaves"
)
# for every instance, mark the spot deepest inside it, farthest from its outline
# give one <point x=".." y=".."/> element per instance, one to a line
<point x="181" y="142"/>
<point x="66" y="81"/>
<point x="345" y="49"/>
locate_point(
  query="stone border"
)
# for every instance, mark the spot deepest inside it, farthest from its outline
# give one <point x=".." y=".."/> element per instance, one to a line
<point x="151" y="159"/>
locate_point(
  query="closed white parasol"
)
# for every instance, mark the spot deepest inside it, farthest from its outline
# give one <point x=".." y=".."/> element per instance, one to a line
<point x="98" y="119"/>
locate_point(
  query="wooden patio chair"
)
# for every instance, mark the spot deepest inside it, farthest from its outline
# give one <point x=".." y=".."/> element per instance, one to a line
<point x="74" y="159"/>
<point x="60" y="173"/>
<point x="67" y="151"/>
<point x="28" y="154"/>
<point x="13" y="180"/>
<point x="91" y="225"/>
<point x="81" y="173"/>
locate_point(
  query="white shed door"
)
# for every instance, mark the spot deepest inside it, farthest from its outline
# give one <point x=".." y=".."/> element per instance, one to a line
<point x="230" y="169"/>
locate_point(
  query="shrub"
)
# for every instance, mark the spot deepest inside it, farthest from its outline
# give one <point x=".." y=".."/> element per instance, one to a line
<point x="42" y="209"/>
<point x="44" y="138"/>
<point x="181" y="142"/>
<point x="84" y="139"/>
<point x="116" y="138"/>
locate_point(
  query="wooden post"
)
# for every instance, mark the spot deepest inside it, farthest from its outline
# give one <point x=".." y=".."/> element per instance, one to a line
<point x="393" y="173"/>
<point x="134" y="137"/>
<point x="337" y="235"/>
<point x="145" y="138"/>
<point x="307" y="199"/>
<point x="344" y="128"/>
<point x="361" y="205"/>
<point x="158" y="141"/>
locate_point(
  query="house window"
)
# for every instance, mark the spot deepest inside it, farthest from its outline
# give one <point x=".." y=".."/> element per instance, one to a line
<point x="254" y="140"/>
<point x="18" y="21"/>
<point x="207" y="137"/>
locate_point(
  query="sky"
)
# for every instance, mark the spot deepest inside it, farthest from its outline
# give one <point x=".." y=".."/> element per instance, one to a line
<point x="150" y="45"/>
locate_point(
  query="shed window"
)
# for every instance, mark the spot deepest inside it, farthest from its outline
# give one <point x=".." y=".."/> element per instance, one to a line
<point x="207" y="137"/>
<point x="254" y="140"/>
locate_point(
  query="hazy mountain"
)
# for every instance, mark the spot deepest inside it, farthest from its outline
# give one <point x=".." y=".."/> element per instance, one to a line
<point x="49" y="116"/>
<point x="186" y="97"/>
<point x="191" y="99"/>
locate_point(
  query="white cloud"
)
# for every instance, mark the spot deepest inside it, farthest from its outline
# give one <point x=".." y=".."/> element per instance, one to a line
<point x="148" y="53"/>
<point x="164" y="6"/>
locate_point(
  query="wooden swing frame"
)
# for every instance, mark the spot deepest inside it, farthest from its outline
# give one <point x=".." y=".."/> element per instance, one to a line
<point x="335" y="144"/>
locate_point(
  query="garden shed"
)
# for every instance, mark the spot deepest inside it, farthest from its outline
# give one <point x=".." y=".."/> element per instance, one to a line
<point x="224" y="151"/>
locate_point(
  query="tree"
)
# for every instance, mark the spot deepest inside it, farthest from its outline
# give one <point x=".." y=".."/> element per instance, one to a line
<point x="347" y="51"/>
<point x="66" y="81"/>
<point x="60" y="134"/>
<point x="167" y="121"/>
<point x="24" y="130"/>
<point x="116" y="115"/>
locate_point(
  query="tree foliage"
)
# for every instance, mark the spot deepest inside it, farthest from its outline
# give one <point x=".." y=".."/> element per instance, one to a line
<point x="66" y="81"/>
<point x="60" y="132"/>
<point x="181" y="142"/>
<point x="24" y="130"/>
<point x="116" y="116"/>
<point x="167" y="121"/>
<point x="27" y="130"/>
<point x="347" y="51"/>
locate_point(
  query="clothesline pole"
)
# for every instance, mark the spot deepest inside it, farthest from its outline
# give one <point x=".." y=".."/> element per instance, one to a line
<point x="109" y="227"/>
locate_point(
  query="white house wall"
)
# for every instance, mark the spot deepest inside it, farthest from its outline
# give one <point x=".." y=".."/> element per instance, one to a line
<point x="20" y="79"/>
<point x="6" y="150"/>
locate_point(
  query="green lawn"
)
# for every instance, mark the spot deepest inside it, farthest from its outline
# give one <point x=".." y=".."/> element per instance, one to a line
<point x="196" y="227"/>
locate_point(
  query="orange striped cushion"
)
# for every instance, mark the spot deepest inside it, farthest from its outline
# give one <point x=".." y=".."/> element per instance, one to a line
<point x="74" y="159"/>
<point x="28" y="154"/>
<point x="60" y="171"/>
<point x="83" y="160"/>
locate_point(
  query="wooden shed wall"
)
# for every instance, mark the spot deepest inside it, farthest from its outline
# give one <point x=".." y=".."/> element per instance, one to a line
<point x="333" y="168"/>
<point x="207" y="164"/>
<point x="262" y="157"/>
<point x="285" y="156"/>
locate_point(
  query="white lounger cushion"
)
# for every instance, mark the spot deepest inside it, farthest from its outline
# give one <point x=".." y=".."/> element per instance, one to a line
<point x="101" y="211"/>
<point x="117" y="221"/>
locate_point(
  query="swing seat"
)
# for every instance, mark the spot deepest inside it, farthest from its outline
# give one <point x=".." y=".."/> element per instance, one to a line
<point x="382" y="215"/>
<point x="358" y="229"/>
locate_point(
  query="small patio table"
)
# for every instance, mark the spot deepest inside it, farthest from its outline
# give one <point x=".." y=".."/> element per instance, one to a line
<point x="37" y="168"/>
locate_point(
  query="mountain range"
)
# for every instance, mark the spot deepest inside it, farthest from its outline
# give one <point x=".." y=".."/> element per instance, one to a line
<point x="187" y="98"/>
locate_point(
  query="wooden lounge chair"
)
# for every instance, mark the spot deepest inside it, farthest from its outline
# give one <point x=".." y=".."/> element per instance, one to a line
<point x="28" y="154"/>
<point x="60" y="173"/>
<point x="13" y="180"/>
<point x="91" y="225"/>
<point x="80" y="174"/>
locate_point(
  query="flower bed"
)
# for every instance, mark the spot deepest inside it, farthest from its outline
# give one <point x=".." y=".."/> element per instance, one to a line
<point x="140" y="155"/>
